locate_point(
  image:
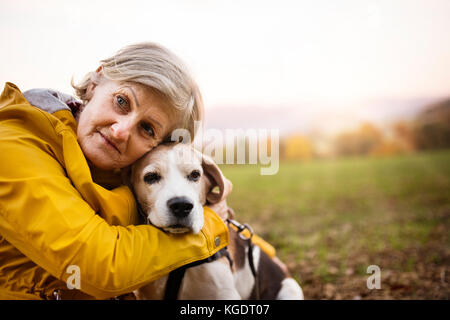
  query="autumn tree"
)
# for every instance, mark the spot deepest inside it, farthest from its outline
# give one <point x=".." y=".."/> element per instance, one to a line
<point x="432" y="127"/>
<point x="297" y="147"/>
<point x="359" y="142"/>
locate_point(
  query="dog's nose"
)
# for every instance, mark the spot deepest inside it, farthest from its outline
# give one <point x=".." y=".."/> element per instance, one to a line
<point x="180" y="206"/>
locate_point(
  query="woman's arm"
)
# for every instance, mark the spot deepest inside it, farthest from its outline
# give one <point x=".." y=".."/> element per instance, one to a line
<point x="45" y="217"/>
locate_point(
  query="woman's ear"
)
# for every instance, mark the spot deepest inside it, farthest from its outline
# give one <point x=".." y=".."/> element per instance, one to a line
<point x="94" y="81"/>
<point x="90" y="90"/>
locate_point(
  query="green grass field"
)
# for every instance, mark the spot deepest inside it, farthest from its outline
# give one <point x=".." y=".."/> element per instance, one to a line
<point x="331" y="219"/>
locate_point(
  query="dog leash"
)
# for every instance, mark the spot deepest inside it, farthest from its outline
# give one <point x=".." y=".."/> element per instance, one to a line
<point x="240" y="229"/>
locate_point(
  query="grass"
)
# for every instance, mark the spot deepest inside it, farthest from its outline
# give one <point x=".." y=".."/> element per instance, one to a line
<point x="330" y="219"/>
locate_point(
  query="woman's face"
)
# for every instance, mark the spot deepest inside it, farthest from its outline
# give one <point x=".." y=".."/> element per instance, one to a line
<point x="121" y="122"/>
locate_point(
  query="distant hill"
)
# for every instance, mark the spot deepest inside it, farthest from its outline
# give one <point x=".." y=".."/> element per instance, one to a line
<point x="309" y="117"/>
<point x="436" y="112"/>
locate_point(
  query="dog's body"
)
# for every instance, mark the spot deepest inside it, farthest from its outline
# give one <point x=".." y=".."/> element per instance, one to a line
<point x="171" y="184"/>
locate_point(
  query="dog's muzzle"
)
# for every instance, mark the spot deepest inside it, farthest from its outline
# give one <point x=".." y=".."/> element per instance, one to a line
<point x="180" y="207"/>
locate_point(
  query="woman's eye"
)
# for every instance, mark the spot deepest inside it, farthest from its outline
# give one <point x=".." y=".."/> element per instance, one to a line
<point x="122" y="102"/>
<point x="194" y="175"/>
<point x="152" y="177"/>
<point x="148" y="129"/>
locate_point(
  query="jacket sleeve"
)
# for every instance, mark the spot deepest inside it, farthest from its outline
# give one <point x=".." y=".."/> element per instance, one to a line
<point x="44" y="216"/>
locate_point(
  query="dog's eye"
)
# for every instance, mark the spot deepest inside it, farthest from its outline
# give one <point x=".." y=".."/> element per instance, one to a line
<point x="194" y="175"/>
<point x="152" y="177"/>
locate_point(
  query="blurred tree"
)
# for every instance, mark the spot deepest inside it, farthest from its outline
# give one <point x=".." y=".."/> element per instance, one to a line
<point x="297" y="147"/>
<point x="389" y="148"/>
<point x="369" y="136"/>
<point x="404" y="135"/>
<point x="359" y="142"/>
<point x="432" y="127"/>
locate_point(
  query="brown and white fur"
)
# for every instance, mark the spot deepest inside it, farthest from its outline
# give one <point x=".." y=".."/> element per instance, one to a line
<point x="171" y="184"/>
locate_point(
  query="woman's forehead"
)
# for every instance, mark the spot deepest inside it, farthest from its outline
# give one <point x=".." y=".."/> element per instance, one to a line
<point x="141" y="92"/>
<point x="151" y="104"/>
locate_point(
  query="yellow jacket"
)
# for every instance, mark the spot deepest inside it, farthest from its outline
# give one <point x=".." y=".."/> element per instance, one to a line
<point x="53" y="215"/>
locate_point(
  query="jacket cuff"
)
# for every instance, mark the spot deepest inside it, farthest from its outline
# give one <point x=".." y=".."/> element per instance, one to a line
<point x="215" y="231"/>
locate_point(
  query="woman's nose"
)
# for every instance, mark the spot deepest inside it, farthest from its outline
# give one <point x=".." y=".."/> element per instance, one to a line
<point x="120" y="130"/>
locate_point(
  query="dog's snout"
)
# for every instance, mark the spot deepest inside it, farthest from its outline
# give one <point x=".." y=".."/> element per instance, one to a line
<point x="180" y="206"/>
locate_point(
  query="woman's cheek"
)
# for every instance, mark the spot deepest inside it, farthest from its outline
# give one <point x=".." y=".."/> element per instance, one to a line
<point x="142" y="148"/>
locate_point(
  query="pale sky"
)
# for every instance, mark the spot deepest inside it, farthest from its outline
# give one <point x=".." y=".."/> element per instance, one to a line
<point x="271" y="53"/>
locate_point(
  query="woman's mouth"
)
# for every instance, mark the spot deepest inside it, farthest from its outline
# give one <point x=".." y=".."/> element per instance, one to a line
<point x="109" y="143"/>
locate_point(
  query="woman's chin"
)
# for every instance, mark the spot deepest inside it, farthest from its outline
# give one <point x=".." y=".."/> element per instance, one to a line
<point x="102" y="161"/>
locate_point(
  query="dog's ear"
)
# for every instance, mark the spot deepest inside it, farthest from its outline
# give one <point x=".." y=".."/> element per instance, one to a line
<point x="215" y="178"/>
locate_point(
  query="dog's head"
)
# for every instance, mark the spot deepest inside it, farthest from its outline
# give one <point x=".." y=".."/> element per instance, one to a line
<point x="173" y="182"/>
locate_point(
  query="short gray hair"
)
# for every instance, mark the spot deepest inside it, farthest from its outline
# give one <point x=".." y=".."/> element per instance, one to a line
<point x="153" y="65"/>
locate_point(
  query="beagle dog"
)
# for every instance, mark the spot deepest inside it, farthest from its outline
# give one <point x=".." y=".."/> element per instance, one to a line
<point x="172" y="183"/>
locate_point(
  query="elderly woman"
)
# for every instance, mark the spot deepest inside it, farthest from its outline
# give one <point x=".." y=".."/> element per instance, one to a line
<point x="63" y="210"/>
